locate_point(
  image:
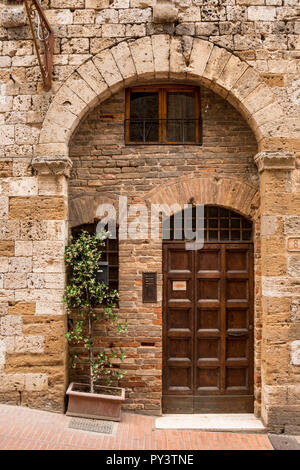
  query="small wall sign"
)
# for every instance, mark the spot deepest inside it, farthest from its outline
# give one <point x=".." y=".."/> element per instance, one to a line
<point x="149" y="287"/>
<point x="179" y="285"/>
<point x="293" y="244"/>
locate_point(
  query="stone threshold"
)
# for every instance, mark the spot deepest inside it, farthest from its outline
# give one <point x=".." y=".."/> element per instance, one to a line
<point x="234" y="422"/>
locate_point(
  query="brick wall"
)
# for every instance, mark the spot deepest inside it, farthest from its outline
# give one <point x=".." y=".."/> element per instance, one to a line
<point x="104" y="167"/>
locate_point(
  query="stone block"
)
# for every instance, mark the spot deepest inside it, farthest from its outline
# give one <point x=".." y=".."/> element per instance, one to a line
<point x="142" y="54"/>
<point x="295" y="353"/>
<point x="200" y="53"/>
<point x="267" y="114"/>
<point x="70" y="100"/>
<point x="123" y="58"/>
<point x="135" y="15"/>
<point x="60" y="17"/>
<point x="107" y="67"/>
<point x="82" y="89"/>
<point x="54" y="132"/>
<point x="292" y="225"/>
<point x="15" y="281"/>
<point x="258" y="99"/>
<point x="7" y="133"/>
<point x="36" y="382"/>
<point x="246" y="84"/>
<point x="48" y="248"/>
<point x="6" y="168"/>
<point x="49" y="185"/>
<point x="9" y="230"/>
<point x="22" y="308"/>
<point x="108" y="15"/>
<point x="274" y="79"/>
<point x="294" y="265"/>
<point x="54" y="149"/>
<point x="29" y="344"/>
<point x="216" y="63"/>
<point x="3" y="309"/>
<point x="161" y="55"/>
<point x="90" y="73"/>
<point x="269" y="225"/>
<point x="20" y="264"/>
<point x="97" y="4"/>
<point x="26" y="186"/>
<point x="6" y="103"/>
<point x="164" y="11"/>
<point x="50" y="264"/>
<point x="177" y="62"/>
<point x="232" y="71"/>
<point x="113" y="30"/>
<point x="61" y="116"/>
<point x="261" y="13"/>
<point x="11" y="325"/>
<point x="295" y="310"/>
<point x="11" y="382"/>
<point x="7" y="248"/>
<point x="50" y="308"/>
<point x="34" y="295"/>
<point x="13" y="16"/>
<point x="37" y="208"/>
<point x="2" y="354"/>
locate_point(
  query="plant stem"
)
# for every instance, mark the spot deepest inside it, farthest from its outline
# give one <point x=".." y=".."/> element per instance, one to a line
<point x="91" y="355"/>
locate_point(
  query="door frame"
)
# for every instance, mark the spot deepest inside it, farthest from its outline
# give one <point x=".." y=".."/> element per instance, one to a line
<point x="214" y="401"/>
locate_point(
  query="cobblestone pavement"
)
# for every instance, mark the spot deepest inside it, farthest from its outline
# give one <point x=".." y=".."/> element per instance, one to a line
<point x="24" y="428"/>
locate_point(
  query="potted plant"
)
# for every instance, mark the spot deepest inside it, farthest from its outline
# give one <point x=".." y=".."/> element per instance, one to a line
<point x="87" y="301"/>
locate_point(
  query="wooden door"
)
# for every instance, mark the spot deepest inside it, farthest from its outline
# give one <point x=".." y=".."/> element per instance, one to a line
<point x="208" y="328"/>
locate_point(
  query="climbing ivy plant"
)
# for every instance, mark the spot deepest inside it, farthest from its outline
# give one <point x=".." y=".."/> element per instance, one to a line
<point x="87" y="301"/>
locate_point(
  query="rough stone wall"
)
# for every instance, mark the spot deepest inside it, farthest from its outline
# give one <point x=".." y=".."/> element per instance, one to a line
<point x="265" y="35"/>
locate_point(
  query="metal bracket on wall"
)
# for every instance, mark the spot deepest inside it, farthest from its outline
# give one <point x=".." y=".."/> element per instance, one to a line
<point x="43" y="35"/>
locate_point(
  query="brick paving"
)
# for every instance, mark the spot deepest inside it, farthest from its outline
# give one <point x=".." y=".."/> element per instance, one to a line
<point x="26" y="429"/>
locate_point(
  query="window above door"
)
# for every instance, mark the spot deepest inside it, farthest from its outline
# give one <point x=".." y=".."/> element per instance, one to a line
<point x="161" y="114"/>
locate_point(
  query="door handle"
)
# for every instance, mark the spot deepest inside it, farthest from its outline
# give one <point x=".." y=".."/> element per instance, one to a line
<point x="236" y="333"/>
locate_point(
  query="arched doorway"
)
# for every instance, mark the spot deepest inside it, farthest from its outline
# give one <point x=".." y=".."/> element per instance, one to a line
<point x="208" y="318"/>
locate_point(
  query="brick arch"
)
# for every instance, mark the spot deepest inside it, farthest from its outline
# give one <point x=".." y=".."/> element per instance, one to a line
<point x="227" y="192"/>
<point x="83" y="209"/>
<point x="160" y="57"/>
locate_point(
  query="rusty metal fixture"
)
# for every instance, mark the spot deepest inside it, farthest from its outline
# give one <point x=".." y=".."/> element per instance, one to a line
<point x="43" y="35"/>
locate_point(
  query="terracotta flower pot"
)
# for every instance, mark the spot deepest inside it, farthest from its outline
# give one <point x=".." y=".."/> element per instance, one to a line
<point x="104" y="404"/>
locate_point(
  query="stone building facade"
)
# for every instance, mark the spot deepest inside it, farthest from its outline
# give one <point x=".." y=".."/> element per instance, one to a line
<point x="63" y="153"/>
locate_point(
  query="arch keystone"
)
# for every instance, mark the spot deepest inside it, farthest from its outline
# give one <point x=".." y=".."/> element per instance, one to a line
<point x="141" y="51"/>
<point x="161" y="55"/>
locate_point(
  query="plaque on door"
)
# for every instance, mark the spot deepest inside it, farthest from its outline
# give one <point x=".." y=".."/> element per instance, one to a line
<point x="179" y="285"/>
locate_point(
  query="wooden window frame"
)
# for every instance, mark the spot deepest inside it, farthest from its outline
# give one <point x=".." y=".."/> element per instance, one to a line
<point x="162" y="91"/>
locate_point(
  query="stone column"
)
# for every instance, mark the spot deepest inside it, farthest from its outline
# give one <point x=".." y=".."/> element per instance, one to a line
<point x="33" y="234"/>
<point x="280" y="252"/>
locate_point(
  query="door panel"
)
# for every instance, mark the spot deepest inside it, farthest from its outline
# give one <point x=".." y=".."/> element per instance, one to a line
<point x="208" y="328"/>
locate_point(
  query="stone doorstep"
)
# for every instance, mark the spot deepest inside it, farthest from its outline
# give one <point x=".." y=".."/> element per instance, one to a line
<point x="234" y="422"/>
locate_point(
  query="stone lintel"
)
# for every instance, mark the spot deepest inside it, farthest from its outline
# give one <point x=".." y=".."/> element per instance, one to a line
<point x="275" y="161"/>
<point x="164" y="12"/>
<point x="56" y="165"/>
